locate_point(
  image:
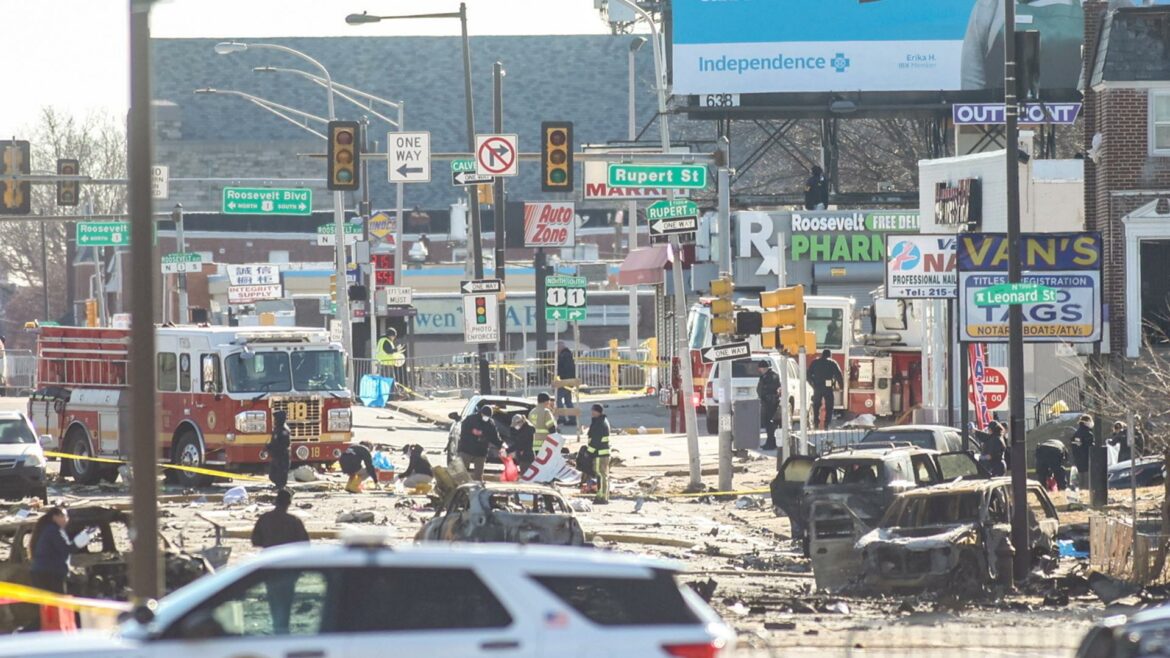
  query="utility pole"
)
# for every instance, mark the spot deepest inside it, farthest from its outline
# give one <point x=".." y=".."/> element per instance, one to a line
<point x="1023" y="557"/>
<point x="44" y="270"/>
<point x="725" y="265"/>
<point x="498" y="201"/>
<point x="146" y="565"/>
<point x="475" y="240"/>
<point x="540" y="264"/>
<point x="177" y="216"/>
<point x="366" y="212"/>
<point x="632" y="205"/>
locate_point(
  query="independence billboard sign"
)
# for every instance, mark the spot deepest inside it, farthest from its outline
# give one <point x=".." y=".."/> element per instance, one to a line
<point x="1070" y="263"/>
<point x="776" y="46"/>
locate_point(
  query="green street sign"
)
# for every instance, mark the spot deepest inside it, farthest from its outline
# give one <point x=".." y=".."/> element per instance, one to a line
<point x="466" y="164"/>
<point x="1015" y="293"/>
<point x="264" y="201"/>
<point x="176" y="263"/>
<point x="103" y="234"/>
<point x="672" y="210"/>
<point x="566" y="314"/>
<point x="644" y="176"/>
<point x="565" y="298"/>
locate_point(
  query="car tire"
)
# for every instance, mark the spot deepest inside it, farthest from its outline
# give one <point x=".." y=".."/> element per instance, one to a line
<point x="110" y="475"/>
<point x="186" y="451"/>
<point x="713" y="421"/>
<point x="82" y="472"/>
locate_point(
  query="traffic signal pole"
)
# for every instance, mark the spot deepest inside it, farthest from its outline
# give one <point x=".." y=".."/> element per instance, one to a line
<point x="498" y="202"/>
<point x="725" y="419"/>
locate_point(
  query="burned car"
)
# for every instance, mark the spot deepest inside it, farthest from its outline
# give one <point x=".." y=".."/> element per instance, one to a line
<point x="498" y="512"/>
<point x="862" y="480"/>
<point x="955" y="535"/>
<point x="100" y="570"/>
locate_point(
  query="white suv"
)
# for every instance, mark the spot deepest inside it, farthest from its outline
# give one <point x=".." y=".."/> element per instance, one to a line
<point x="745" y="373"/>
<point x="364" y="599"/>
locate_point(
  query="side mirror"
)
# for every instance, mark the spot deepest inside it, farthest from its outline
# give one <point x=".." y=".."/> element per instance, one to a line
<point x="46" y="440"/>
<point x="454" y="415"/>
<point x="143" y="613"/>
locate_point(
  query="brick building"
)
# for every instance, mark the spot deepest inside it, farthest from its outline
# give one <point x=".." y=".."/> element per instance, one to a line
<point x="1127" y="171"/>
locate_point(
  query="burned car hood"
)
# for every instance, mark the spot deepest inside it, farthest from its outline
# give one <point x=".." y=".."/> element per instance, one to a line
<point x="915" y="539"/>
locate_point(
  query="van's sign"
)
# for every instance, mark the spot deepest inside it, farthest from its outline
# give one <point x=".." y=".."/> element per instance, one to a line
<point x="847" y="237"/>
<point x="921" y="267"/>
<point x="1068" y="263"/>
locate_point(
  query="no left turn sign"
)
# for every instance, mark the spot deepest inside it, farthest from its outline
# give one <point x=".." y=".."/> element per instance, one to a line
<point x="496" y="155"/>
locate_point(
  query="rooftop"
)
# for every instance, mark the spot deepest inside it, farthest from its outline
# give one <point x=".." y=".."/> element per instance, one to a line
<point x="1134" y="46"/>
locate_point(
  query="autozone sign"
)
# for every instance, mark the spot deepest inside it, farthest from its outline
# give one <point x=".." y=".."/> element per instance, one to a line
<point x="549" y="224"/>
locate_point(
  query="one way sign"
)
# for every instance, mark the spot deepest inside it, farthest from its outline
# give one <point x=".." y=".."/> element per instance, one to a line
<point x="480" y="286"/>
<point x="469" y="178"/>
<point x="726" y="352"/>
<point x="408" y="157"/>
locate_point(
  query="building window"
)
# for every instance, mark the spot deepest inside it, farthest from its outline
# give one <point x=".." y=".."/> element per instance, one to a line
<point x="278" y="256"/>
<point x="1160" y="123"/>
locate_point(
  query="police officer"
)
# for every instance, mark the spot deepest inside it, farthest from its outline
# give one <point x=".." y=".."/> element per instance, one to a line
<point x="279" y="450"/>
<point x="824" y="375"/>
<point x="768" y="390"/>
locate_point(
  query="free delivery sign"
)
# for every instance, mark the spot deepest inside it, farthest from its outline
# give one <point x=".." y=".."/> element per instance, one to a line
<point x="847" y="237"/>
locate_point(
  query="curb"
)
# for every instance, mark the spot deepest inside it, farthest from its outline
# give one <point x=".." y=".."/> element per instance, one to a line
<point x="414" y="413"/>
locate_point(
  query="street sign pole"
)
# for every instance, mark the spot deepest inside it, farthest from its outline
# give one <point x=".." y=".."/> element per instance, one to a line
<point x="498" y="197"/>
<point x="725" y="419"/>
<point x="177" y="215"/>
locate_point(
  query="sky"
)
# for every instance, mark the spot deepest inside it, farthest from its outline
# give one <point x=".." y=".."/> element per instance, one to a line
<point x="73" y="54"/>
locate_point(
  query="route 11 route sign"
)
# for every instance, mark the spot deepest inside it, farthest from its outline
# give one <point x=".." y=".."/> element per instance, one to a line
<point x="565" y="298"/>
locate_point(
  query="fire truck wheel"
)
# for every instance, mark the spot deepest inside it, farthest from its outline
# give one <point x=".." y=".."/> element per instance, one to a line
<point x="188" y="453"/>
<point x="83" y="472"/>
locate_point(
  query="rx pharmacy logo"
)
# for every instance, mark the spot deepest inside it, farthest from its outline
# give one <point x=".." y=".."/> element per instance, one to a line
<point x="840" y="63"/>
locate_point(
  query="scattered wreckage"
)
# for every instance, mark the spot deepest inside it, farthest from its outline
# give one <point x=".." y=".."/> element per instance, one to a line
<point x="100" y="570"/>
<point x="499" y="512"/>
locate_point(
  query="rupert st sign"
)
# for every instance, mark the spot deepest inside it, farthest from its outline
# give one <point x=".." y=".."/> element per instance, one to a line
<point x="1067" y="263"/>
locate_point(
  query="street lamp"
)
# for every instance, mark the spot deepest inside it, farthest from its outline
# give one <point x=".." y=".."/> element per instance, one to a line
<point x="282" y="111"/>
<point x="632" y="207"/>
<point x="344" y="91"/>
<point x="343" y="313"/>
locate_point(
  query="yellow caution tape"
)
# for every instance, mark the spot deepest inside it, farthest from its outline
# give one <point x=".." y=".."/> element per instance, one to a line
<point x="25" y="594"/>
<point x="173" y="467"/>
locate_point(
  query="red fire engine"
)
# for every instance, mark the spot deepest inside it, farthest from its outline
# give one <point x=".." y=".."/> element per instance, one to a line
<point x="217" y="390"/>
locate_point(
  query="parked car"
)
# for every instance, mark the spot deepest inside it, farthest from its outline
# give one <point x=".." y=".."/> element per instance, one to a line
<point x="955" y="535"/>
<point x="22" y="460"/>
<point x="497" y="512"/>
<point x="744" y="375"/>
<point x="865" y="479"/>
<point x="100" y="570"/>
<point x="1139" y="635"/>
<point x="363" y="597"/>
<point x="931" y="437"/>
<point x="505" y="407"/>
<point x="1146" y="472"/>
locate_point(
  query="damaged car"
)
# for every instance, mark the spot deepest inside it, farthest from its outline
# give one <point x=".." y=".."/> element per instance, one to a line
<point x="100" y="570"/>
<point x="955" y="536"/>
<point x="499" y="512"/>
<point x="864" y="480"/>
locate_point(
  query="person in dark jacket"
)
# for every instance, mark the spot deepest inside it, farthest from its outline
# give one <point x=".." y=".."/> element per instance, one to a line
<point x="275" y="528"/>
<point x="476" y="435"/>
<point x="356" y="458"/>
<point x="994" y="449"/>
<point x="599" y="448"/>
<point x="1052" y="462"/>
<point x="824" y="375"/>
<point x="51" y="548"/>
<point x="1082" y="445"/>
<point x="1120" y="438"/>
<point x="816" y="190"/>
<point x="520" y="445"/>
<point x="279" y="450"/>
<point x="418" y="472"/>
<point x="768" y="390"/>
<point x="566" y="369"/>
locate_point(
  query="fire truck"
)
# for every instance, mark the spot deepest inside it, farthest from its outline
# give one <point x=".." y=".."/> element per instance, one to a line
<point x="882" y="368"/>
<point x="218" y="388"/>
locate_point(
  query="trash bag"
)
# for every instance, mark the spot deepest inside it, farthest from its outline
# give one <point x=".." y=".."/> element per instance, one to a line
<point x="235" y="495"/>
<point x="382" y="461"/>
<point x="511" y="471"/>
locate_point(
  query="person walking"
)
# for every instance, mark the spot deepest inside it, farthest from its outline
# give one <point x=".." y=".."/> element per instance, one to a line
<point x="418" y="472"/>
<point x="478" y="433"/>
<point x="1082" y="444"/>
<point x="542" y="421"/>
<point x="994" y="449"/>
<point x="566" y="369"/>
<point x="358" y="463"/>
<point x="279" y="450"/>
<point x="768" y="390"/>
<point x="520" y="445"/>
<point x="599" y="448"/>
<point x="824" y="375"/>
<point x="51" y="548"/>
<point x="277" y="527"/>
<point x="816" y="190"/>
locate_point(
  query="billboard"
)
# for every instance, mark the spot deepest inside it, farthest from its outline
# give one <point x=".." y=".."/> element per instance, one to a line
<point x="1070" y="263"/>
<point x="769" y="46"/>
<point x="921" y="267"/>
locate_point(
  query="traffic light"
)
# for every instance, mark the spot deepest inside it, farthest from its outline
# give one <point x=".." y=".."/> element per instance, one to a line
<point x="556" y="156"/>
<point x="15" y="197"/>
<point x="67" y="191"/>
<point x="783" y="321"/>
<point x="91" y="313"/>
<point x="343" y="157"/>
<point x="481" y="310"/>
<point x="722" y="308"/>
<point x="333" y="289"/>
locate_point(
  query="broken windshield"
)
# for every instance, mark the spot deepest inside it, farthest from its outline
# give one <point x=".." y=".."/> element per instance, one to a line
<point x="937" y="510"/>
<point x="842" y="472"/>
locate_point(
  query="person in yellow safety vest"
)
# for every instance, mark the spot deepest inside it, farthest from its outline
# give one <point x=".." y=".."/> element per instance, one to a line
<point x="542" y="419"/>
<point x="389" y="353"/>
<point x="599" y="448"/>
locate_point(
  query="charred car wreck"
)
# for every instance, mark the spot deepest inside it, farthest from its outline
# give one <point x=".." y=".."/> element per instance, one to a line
<point x="513" y="513"/>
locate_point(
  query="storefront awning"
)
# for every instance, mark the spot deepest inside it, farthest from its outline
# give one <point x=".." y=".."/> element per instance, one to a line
<point x="645" y="266"/>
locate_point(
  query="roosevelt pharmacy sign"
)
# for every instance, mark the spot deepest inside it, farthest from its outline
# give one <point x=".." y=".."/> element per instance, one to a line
<point x="850" y="236"/>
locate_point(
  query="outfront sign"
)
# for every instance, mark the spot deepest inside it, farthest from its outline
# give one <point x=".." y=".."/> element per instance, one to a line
<point x="920" y="267"/>
<point x="1069" y="263"/>
<point x="983" y="114"/>
<point x="549" y="224"/>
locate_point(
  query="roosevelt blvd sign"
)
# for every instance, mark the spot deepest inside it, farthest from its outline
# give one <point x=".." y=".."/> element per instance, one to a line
<point x="674" y="176"/>
<point x="263" y="201"/>
<point x="103" y="234"/>
<point x="177" y="263"/>
<point x="1016" y="293"/>
<point x="726" y="352"/>
<point x="678" y="216"/>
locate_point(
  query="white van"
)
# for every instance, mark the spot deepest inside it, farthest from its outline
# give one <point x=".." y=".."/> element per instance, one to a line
<point x="744" y="375"/>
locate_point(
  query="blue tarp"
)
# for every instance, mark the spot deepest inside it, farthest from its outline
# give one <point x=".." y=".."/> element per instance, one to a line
<point x="375" y="390"/>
